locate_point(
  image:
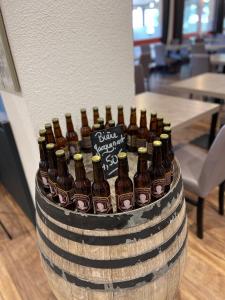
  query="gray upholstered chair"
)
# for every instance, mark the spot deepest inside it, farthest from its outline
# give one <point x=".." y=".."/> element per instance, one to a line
<point x="202" y="171"/>
<point x="199" y="64"/>
<point x="139" y="79"/>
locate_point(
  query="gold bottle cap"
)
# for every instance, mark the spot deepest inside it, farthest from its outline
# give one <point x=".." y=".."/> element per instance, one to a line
<point x="95" y="108"/>
<point x="42" y="132"/>
<point x="166" y="123"/>
<point x="41" y="139"/>
<point x="164" y="136"/>
<point x="120" y="107"/>
<point x="108" y="107"/>
<point x="68" y="115"/>
<point x="122" y="155"/>
<point x="50" y="146"/>
<point x="48" y="125"/>
<point x="96" y="158"/>
<point x="167" y="129"/>
<point x="100" y="120"/>
<point x="133" y="108"/>
<point x="77" y="156"/>
<point x="83" y="110"/>
<point x="96" y="126"/>
<point x="159" y="118"/>
<point x="143" y="110"/>
<point x="60" y="153"/>
<point x="153" y="114"/>
<point x="157" y="143"/>
<point x="142" y="150"/>
<point x="55" y="120"/>
<point x="111" y="122"/>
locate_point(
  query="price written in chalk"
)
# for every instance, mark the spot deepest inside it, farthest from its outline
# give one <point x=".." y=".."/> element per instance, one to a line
<point x="108" y="143"/>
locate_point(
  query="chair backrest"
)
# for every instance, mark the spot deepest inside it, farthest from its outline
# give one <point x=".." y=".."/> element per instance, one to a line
<point x="139" y="79"/>
<point x="199" y="64"/>
<point x="145" y="60"/>
<point x="145" y="49"/>
<point x="213" y="170"/>
<point x="198" y="48"/>
<point x="160" y="54"/>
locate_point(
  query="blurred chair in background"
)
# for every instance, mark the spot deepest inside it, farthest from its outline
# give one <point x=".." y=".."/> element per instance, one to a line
<point x="198" y="48"/>
<point x="139" y="79"/>
<point x="161" y="59"/>
<point x="199" y="64"/>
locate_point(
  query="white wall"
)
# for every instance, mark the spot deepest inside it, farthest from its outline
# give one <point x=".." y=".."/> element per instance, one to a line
<point x="68" y="54"/>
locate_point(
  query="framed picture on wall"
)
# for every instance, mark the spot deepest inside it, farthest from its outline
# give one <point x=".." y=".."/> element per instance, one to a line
<point x="8" y="76"/>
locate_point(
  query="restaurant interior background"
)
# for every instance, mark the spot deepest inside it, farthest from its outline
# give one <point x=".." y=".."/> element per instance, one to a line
<point x="166" y="56"/>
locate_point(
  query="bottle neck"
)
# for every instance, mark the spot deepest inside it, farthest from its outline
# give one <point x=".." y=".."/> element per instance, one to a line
<point x="120" y="117"/>
<point x="157" y="156"/>
<point x="142" y="165"/>
<point x="153" y="125"/>
<point x="50" y="136"/>
<point x="51" y="159"/>
<point x="108" y="115"/>
<point x="57" y="131"/>
<point x="95" y="116"/>
<point x="80" y="170"/>
<point x="69" y="125"/>
<point x="42" y="150"/>
<point x="165" y="149"/>
<point x="133" y="119"/>
<point x="143" y="121"/>
<point x="62" y="167"/>
<point x="123" y="168"/>
<point x="84" y="119"/>
<point x="98" y="172"/>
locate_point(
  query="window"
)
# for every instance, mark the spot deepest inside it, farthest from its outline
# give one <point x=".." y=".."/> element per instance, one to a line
<point x="198" y="16"/>
<point x="147" y="15"/>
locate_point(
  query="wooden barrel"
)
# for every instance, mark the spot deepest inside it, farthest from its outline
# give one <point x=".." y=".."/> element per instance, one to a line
<point x="134" y="255"/>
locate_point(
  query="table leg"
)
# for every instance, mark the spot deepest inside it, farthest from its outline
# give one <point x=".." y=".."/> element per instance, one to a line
<point x="212" y="133"/>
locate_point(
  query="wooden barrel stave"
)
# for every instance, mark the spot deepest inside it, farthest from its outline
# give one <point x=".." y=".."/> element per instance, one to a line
<point x="141" y="253"/>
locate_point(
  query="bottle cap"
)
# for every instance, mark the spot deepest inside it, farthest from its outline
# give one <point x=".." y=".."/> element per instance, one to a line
<point x="166" y="123"/>
<point x="96" y="126"/>
<point x="95" y="108"/>
<point x="41" y="139"/>
<point x="120" y="106"/>
<point x="122" y="155"/>
<point x="111" y="122"/>
<point x="50" y="146"/>
<point x="60" y="153"/>
<point x="48" y="125"/>
<point x="96" y="158"/>
<point x="153" y="114"/>
<point x="142" y="150"/>
<point x="83" y="110"/>
<point x="164" y="136"/>
<point x="159" y="118"/>
<point x="108" y="107"/>
<point x="157" y="143"/>
<point x="77" y="156"/>
<point x="100" y="120"/>
<point x="55" y="120"/>
<point x="143" y="110"/>
<point x="42" y="132"/>
<point x="167" y="129"/>
<point x="68" y="115"/>
<point x="133" y="108"/>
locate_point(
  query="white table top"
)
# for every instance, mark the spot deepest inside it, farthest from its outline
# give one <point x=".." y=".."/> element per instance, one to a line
<point x="217" y="59"/>
<point x="180" y="112"/>
<point x="207" y="84"/>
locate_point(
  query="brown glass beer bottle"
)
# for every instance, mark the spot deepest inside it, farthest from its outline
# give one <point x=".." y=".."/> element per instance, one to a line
<point x="42" y="175"/>
<point x="142" y="180"/>
<point x="101" y="123"/>
<point x="111" y="123"/>
<point x="157" y="172"/>
<point x="96" y="127"/>
<point x="108" y="115"/>
<point x="166" y="161"/>
<point x="167" y="130"/>
<point x="159" y="126"/>
<point x="50" y="139"/>
<point x="95" y="115"/>
<point x="71" y="136"/>
<point x="100" y="189"/>
<point x="83" y="198"/>
<point x="60" y="141"/>
<point x="142" y="133"/>
<point x="152" y="134"/>
<point x="52" y="172"/>
<point x="124" y="185"/>
<point x="65" y="182"/>
<point x="121" y="118"/>
<point x="132" y="131"/>
<point x="85" y="132"/>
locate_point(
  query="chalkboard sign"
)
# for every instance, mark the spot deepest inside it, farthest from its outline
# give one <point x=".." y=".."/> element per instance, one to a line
<point x="108" y="143"/>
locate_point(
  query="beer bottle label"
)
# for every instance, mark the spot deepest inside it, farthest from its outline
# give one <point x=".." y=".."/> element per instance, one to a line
<point x="102" y="205"/>
<point x="150" y="148"/>
<point x="44" y="178"/>
<point x="65" y="197"/>
<point x="74" y="147"/>
<point x="125" y="202"/>
<point x="141" y="143"/>
<point x="168" y="176"/>
<point x="53" y="187"/>
<point x="131" y="140"/>
<point x="142" y="196"/>
<point x="86" y="142"/>
<point x="158" y="188"/>
<point x="83" y="202"/>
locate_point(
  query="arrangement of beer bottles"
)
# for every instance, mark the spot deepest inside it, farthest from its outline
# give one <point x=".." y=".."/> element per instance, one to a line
<point x="152" y="180"/>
